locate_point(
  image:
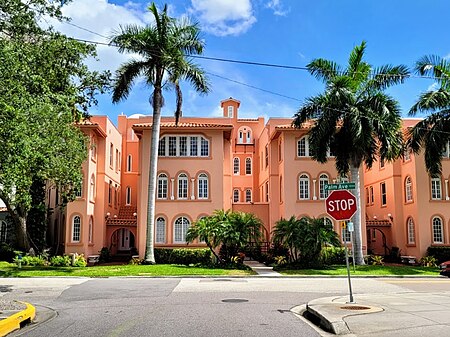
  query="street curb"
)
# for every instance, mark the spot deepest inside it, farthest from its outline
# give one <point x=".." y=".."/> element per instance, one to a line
<point x="16" y="320"/>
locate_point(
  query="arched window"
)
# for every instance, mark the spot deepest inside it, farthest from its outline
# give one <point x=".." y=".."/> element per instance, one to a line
<point x="248" y="165"/>
<point x="182" y="186"/>
<point x="303" y="147"/>
<point x="249" y="137"/>
<point x="129" y="163"/>
<point x="408" y="189"/>
<point x="303" y="187"/>
<point x="79" y="190"/>
<point x="92" y="188"/>
<point x="323" y="181"/>
<point x="91" y="230"/>
<point x="438" y="230"/>
<point x="236" y="166"/>
<point x="236" y="195"/>
<point x="203" y="186"/>
<point x="160" y="230"/>
<point x="181" y="226"/>
<point x="410" y="231"/>
<point x="76" y="228"/>
<point x="248" y="195"/>
<point x="128" y="196"/>
<point x="3" y="231"/>
<point x="436" y="191"/>
<point x="162" y="186"/>
<point x="346" y="235"/>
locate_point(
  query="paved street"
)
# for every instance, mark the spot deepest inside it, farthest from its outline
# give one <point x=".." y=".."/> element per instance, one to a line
<point x="186" y="306"/>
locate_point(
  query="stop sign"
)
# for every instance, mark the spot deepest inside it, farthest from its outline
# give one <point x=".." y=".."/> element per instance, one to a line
<point x="341" y="205"/>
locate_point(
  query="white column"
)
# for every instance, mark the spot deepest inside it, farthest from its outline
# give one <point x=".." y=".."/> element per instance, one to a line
<point x="314" y="189"/>
<point x="192" y="189"/>
<point x="172" y="186"/>
<point x="446" y="190"/>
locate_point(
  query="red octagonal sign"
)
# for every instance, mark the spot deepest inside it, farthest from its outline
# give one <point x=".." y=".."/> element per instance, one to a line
<point x="341" y="205"/>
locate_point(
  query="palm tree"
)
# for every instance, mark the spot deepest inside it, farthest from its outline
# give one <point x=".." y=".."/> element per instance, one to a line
<point x="433" y="132"/>
<point x="162" y="49"/>
<point x="354" y="118"/>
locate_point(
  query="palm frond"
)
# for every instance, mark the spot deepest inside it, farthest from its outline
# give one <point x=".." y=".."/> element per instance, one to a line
<point x="433" y="65"/>
<point x="431" y="101"/>
<point x="355" y="59"/>
<point x="124" y="79"/>
<point x="387" y="76"/>
<point x="324" y="70"/>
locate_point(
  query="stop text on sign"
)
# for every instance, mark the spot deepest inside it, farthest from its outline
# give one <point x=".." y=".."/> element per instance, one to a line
<point x="341" y="205"/>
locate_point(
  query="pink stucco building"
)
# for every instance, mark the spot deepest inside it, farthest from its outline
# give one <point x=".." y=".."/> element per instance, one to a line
<point x="242" y="164"/>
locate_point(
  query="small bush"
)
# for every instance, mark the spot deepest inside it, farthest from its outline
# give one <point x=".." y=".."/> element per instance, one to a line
<point x="32" y="261"/>
<point x="441" y="254"/>
<point x="185" y="256"/>
<point x="79" y="261"/>
<point x="333" y="255"/>
<point x="6" y="252"/>
<point x="376" y="260"/>
<point x="105" y="254"/>
<point x="280" y="260"/>
<point x="60" y="261"/>
<point x="428" y="261"/>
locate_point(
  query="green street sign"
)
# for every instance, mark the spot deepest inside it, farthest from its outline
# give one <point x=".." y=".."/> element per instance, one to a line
<point x="340" y="186"/>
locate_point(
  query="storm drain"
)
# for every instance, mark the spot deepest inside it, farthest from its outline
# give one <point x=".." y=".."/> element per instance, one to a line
<point x="355" y="307"/>
<point x="234" y="300"/>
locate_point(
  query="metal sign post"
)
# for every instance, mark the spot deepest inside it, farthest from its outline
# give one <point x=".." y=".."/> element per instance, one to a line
<point x="351" y="229"/>
<point x="344" y="225"/>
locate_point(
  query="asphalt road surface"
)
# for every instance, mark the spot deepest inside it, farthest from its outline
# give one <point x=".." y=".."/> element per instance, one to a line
<point x="185" y="306"/>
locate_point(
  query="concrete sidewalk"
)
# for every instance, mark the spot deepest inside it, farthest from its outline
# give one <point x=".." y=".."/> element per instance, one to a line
<point x="261" y="269"/>
<point x="409" y="314"/>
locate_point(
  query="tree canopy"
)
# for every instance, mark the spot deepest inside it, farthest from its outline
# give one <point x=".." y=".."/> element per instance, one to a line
<point x="44" y="88"/>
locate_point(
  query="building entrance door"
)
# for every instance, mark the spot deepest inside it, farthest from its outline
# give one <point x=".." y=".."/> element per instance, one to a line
<point x="123" y="240"/>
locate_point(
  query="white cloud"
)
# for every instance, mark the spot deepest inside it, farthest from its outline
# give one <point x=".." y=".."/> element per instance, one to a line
<point x="224" y="17"/>
<point x="102" y="19"/>
<point x="277" y="8"/>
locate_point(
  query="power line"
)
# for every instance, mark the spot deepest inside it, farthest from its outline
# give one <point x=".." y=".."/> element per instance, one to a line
<point x="85" y="29"/>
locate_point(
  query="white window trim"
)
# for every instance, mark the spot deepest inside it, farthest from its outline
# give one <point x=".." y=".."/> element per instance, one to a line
<point x="184" y="228"/>
<point x="182" y="177"/>
<point x="236" y="165"/>
<point x="436" y="182"/>
<point x="199" y="139"/>
<point x="441" y="230"/>
<point x="306" y="140"/>
<point x="73" y="229"/>
<point x="157" y="233"/>
<point x="306" y="180"/>
<point x="162" y="177"/>
<point x="203" y="178"/>
<point x="411" y="231"/>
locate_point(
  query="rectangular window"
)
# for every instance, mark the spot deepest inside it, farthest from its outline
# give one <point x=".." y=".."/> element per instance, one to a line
<point x="230" y="111"/>
<point x="117" y="160"/>
<point x="204" y="148"/>
<point x="172" y="146"/>
<point x="436" y="189"/>
<point x="267" y="155"/>
<point x="371" y="195"/>
<point x="248" y="195"/>
<point x="367" y="196"/>
<point x="111" y="155"/>
<point x="183" y="146"/>
<point x="203" y="188"/>
<point x="182" y="188"/>
<point x="382" y="163"/>
<point x="267" y="191"/>
<point x="346" y="236"/>
<point x="193" y="146"/>
<point x="162" y="147"/>
<point x="383" y="194"/>
<point x="248" y="166"/>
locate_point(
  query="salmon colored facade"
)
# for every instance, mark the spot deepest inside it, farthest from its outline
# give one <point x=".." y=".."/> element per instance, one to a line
<point x="247" y="165"/>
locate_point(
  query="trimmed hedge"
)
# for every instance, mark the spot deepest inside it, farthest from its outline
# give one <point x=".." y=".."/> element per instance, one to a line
<point x="441" y="254"/>
<point x="185" y="256"/>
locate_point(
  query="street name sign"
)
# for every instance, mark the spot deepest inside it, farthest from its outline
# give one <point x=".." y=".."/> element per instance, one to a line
<point x="340" y="186"/>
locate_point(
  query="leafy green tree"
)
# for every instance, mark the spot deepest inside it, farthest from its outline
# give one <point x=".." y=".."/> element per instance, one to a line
<point x="231" y="231"/>
<point x="354" y="118"/>
<point x="433" y="132"/>
<point x="305" y="238"/>
<point x="163" y="50"/>
<point x="44" y="87"/>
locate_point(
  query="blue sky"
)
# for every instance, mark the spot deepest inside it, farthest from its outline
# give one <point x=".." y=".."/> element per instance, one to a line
<point x="272" y="31"/>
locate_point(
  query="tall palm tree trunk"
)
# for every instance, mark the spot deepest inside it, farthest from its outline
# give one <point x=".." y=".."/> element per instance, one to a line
<point x="156" y="125"/>
<point x="357" y="220"/>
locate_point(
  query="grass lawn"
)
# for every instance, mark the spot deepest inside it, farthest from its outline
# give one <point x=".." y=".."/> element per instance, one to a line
<point x="367" y="270"/>
<point x="11" y="270"/>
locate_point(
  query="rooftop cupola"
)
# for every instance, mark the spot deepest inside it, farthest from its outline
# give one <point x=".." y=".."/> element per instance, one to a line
<point x="230" y="107"/>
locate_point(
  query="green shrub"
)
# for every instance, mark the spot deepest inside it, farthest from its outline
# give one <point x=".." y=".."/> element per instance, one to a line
<point x="32" y="261"/>
<point x="333" y="255"/>
<point x="376" y="260"/>
<point x="428" y="261"/>
<point x="60" y="261"/>
<point x="105" y="254"/>
<point x="186" y="256"/>
<point x="6" y="252"/>
<point x="441" y="254"/>
<point x="79" y="261"/>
